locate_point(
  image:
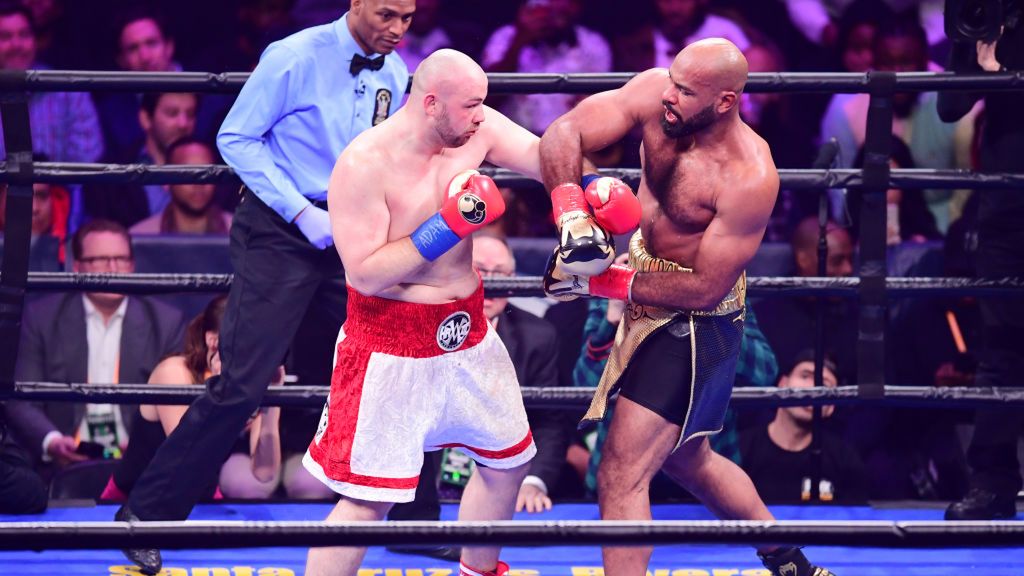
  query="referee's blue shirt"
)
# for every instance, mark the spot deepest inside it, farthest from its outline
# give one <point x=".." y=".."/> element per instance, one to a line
<point x="298" y="111"/>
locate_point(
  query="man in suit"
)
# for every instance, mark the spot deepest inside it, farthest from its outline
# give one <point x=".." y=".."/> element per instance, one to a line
<point x="93" y="337"/>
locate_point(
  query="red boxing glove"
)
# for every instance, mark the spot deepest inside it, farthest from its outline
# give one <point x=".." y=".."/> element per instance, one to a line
<point x="616" y="208"/>
<point x="474" y="201"/>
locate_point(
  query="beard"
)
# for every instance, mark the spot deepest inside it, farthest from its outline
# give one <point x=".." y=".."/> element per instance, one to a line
<point x="191" y="210"/>
<point x="449" y="136"/>
<point x="688" y="126"/>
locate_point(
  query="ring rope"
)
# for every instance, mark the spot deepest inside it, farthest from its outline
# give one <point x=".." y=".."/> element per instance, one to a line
<point x="531" y="286"/>
<point x="253" y="534"/>
<point x="508" y="82"/>
<point x="542" y="397"/>
<point x="794" y="179"/>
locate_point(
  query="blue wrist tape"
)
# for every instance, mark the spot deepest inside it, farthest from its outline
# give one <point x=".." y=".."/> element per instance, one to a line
<point x="434" y="237"/>
<point x="587" y="179"/>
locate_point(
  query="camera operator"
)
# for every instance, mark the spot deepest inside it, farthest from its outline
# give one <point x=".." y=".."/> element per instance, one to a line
<point x="988" y="37"/>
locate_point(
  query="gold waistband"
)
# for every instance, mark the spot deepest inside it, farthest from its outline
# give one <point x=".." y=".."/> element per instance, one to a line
<point x="640" y="321"/>
<point x="640" y="259"/>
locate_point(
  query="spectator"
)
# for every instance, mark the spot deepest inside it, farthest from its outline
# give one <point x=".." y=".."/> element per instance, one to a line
<point x="64" y="124"/>
<point x="677" y="23"/>
<point x="778" y="456"/>
<point x="425" y="35"/>
<point x="162" y="119"/>
<point x="192" y="209"/>
<point x="50" y="207"/>
<point x="546" y="37"/>
<point x="778" y="118"/>
<point x="908" y="218"/>
<point x="856" y="34"/>
<point x="432" y="30"/>
<point x="95" y="337"/>
<point x="788" y="323"/>
<point x="252" y="470"/>
<point x="900" y="46"/>
<point x="144" y="44"/>
<point x="258" y="23"/>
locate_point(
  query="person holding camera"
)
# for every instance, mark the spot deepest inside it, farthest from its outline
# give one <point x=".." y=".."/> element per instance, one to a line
<point x="987" y="36"/>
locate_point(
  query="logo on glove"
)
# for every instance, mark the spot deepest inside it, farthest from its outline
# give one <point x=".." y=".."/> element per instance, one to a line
<point x="788" y="569"/>
<point x="472" y="208"/>
<point x="453" y="331"/>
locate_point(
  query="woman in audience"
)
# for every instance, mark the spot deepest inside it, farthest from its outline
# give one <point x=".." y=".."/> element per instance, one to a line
<point x="908" y="218"/>
<point x="252" y="470"/>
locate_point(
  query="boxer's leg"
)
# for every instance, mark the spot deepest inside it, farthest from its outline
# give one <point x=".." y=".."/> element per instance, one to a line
<point x="344" y="561"/>
<point x="638" y="443"/>
<point x="489" y="495"/>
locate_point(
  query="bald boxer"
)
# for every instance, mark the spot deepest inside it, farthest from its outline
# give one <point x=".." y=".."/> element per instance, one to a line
<point x="707" y="189"/>
<point x="418" y="365"/>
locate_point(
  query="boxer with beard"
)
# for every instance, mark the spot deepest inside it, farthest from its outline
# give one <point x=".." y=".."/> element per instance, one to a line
<point x="706" y="192"/>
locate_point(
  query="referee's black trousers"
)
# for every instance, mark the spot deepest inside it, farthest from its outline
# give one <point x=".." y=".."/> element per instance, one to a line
<point x="277" y="275"/>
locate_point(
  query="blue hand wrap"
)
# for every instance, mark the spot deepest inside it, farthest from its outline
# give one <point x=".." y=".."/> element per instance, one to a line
<point x="587" y="179"/>
<point x="434" y="237"/>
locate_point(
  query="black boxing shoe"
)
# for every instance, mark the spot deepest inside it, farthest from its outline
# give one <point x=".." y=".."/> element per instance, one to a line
<point x="791" y="562"/>
<point x="147" y="559"/>
<point x="981" y="504"/>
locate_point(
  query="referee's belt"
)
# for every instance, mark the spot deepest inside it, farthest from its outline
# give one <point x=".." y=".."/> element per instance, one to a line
<point x="322" y="204"/>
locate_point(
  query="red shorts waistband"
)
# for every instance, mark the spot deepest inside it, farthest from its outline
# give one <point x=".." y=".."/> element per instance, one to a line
<point x="415" y="330"/>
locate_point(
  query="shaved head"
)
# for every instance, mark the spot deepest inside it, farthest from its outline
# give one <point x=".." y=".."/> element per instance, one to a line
<point x="444" y="70"/>
<point x="708" y="78"/>
<point x="449" y="89"/>
<point x="715" y="63"/>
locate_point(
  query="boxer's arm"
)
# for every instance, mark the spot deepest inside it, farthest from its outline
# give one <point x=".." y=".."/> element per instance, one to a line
<point x="360" y="221"/>
<point x="729" y="242"/>
<point x="510" y="145"/>
<point x="595" y="123"/>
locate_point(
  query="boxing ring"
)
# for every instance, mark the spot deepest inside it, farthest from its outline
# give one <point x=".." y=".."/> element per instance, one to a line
<point x="266" y="539"/>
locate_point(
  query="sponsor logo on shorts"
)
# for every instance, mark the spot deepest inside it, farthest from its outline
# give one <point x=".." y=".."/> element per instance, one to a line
<point x="788" y="569"/>
<point x="453" y="331"/>
<point x="322" y="427"/>
<point x="472" y="208"/>
<point x="382" y="106"/>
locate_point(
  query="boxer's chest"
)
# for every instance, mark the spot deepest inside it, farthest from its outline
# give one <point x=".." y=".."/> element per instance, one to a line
<point x="683" y="186"/>
<point x="417" y="191"/>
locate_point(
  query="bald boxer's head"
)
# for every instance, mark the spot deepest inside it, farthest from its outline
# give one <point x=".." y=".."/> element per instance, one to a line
<point x="707" y="79"/>
<point x="451" y="89"/>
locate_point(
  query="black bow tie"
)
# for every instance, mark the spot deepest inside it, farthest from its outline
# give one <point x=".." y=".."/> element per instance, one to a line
<point x="359" y="62"/>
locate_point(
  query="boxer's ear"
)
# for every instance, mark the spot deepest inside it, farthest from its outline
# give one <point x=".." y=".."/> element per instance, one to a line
<point x="727" y="101"/>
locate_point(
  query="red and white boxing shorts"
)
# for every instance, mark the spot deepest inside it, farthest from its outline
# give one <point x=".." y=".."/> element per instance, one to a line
<point x="410" y="378"/>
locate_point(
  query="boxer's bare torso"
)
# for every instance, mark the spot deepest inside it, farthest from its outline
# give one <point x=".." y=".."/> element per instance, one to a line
<point x="682" y="185"/>
<point x="411" y="183"/>
<point x="706" y="196"/>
